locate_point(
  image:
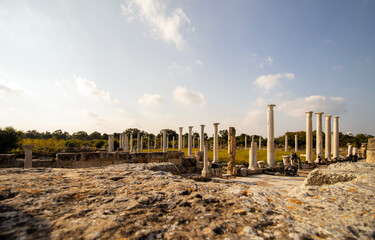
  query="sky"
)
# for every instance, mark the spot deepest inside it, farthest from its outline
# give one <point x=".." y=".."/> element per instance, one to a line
<point x="111" y="65"/>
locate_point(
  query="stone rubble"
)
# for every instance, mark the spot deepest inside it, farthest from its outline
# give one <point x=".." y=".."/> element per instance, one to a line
<point x="143" y="201"/>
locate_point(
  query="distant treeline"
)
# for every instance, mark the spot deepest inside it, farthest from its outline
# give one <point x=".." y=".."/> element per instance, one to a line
<point x="49" y="143"/>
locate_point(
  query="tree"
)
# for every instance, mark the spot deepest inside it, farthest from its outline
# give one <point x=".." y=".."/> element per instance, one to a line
<point x="80" y="135"/>
<point x="59" y="134"/>
<point x="95" y="135"/>
<point x="9" y="139"/>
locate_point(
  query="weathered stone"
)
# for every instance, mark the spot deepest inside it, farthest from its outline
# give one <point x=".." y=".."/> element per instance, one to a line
<point x="243" y="172"/>
<point x="320" y="177"/>
<point x="231" y="150"/>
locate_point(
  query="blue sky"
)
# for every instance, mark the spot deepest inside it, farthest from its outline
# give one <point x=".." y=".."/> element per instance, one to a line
<point x="112" y="65"/>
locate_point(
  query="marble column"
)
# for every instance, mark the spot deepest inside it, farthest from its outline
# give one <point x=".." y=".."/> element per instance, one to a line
<point x="111" y="146"/>
<point x="164" y="140"/>
<point x="167" y="142"/>
<point x="309" y="137"/>
<point x="216" y="144"/>
<point x="183" y="142"/>
<point x="253" y="161"/>
<point x="201" y="142"/>
<point x="270" y="137"/>
<point x="193" y="145"/>
<point x="328" y="137"/>
<point x="295" y="143"/>
<point x="131" y="142"/>
<point x="190" y="152"/>
<point x="148" y="143"/>
<point x="350" y="149"/>
<point x="245" y="142"/>
<point x="286" y="143"/>
<point x="231" y="150"/>
<point x="173" y="142"/>
<point x="155" y="142"/>
<point x="139" y="142"/>
<point x="28" y="149"/>
<point x="126" y="144"/>
<point x="180" y="146"/>
<point x="260" y="142"/>
<point x="161" y="142"/>
<point x="355" y="151"/>
<point x="205" y="170"/>
<point x="319" y="136"/>
<point x="336" y="138"/>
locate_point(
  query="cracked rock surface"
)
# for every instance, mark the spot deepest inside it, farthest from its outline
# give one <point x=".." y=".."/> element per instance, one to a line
<point x="136" y="201"/>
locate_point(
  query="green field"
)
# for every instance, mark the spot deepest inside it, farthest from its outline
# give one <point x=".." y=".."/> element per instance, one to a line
<point x="242" y="155"/>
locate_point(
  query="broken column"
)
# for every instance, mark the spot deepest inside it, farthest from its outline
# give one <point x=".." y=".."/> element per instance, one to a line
<point x="370" y="151"/>
<point x="131" y="142"/>
<point x="336" y="143"/>
<point x="180" y="146"/>
<point x="205" y="170"/>
<point x="309" y="137"/>
<point x="138" y="142"/>
<point x="260" y="142"/>
<point x="126" y="143"/>
<point x="286" y="143"/>
<point x="231" y="150"/>
<point x="111" y="140"/>
<point x="173" y="142"/>
<point x="295" y="143"/>
<point x="141" y="143"/>
<point x="253" y="160"/>
<point x="28" y="149"/>
<point x="190" y="152"/>
<point x="245" y="142"/>
<point x="319" y="136"/>
<point x="216" y="144"/>
<point x="270" y="137"/>
<point x="155" y="142"/>
<point x="164" y="140"/>
<point x="355" y="151"/>
<point x="328" y="138"/>
<point x="148" y="143"/>
<point x="202" y="139"/>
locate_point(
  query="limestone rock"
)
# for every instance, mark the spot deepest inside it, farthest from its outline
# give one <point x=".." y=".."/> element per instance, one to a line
<point x="320" y="177"/>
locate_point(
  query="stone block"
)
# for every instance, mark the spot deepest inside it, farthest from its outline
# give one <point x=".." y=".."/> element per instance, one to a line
<point x="243" y="172"/>
<point x="371" y="144"/>
<point x="8" y="161"/>
<point x="370" y="158"/>
<point x="176" y="161"/>
<point x="199" y="164"/>
<point x="261" y="164"/>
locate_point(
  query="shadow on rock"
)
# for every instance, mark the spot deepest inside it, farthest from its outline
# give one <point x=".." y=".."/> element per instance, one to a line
<point x="16" y="224"/>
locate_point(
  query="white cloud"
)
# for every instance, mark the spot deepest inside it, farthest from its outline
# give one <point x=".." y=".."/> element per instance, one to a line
<point x="316" y="103"/>
<point x="8" y="85"/>
<point x="267" y="82"/>
<point x="153" y="12"/>
<point x="9" y="90"/>
<point x="89" y="88"/>
<point x="189" y="98"/>
<point x="269" y="60"/>
<point x="199" y="62"/>
<point x="338" y="68"/>
<point x="176" y="69"/>
<point x="151" y="99"/>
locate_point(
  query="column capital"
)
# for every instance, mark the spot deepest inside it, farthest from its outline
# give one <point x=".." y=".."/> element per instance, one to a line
<point x="270" y="106"/>
<point x="180" y="128"/>
<point x="202" y="125"/>
<point x="216" y="124"/>
<point x="319" y="113"/>
<point x="336" y="117"/>
<point x="28" y="147"/>
<point x="309" y="112"/>
<point x="190" y="127"/>
<point x="328" y="116"/>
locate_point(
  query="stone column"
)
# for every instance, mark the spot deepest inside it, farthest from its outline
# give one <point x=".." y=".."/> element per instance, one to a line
<point x="155" y="142"/>
<point x="193" y="145"/>
<point x="205" y="170"/>
<point x="270" y="137"/>
<point x="131" y="142"/>
<point x="355" y="151"/>
<point x="126" y="145"/>
<point x="319" y="136"/>
<point x="180" y="146"/>
<point x="350" y="149"/>
<point x="286" y="142"/>
<point x="148" y="143"/>
<point x="164" y="140"/>
<point x="120" y="142"/>
<point x="28" y="149"/>
<point x="245" y="142"/>
<point x="336" y="143"/>
<point x="183" y="142"/>
<point x="167" y="142"/>
<point x="309" y="137"/>
<point x="138" y="142"/>
<point x="141" y="143"/>
<point x="172" y="142"/>
<point x="260" y="142"/>
<point x="253" y="161"/>
<point x="295" y="143"/>
<point x="328" y="137"/>
<point x="231" y="149"/>
<point x="190" y="152"/>
<point x="111" y="146"/>
<point x="202" y="139"/>
<point x="216" y="144"/>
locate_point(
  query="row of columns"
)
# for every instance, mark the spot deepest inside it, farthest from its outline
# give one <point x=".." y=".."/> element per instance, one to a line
<point x="319" y="137"/>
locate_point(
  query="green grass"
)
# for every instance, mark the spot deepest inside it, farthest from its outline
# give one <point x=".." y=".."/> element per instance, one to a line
<point x="242" y="155"/>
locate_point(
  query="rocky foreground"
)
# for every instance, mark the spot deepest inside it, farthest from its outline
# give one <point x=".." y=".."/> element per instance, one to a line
<point x="136" y="201"/>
